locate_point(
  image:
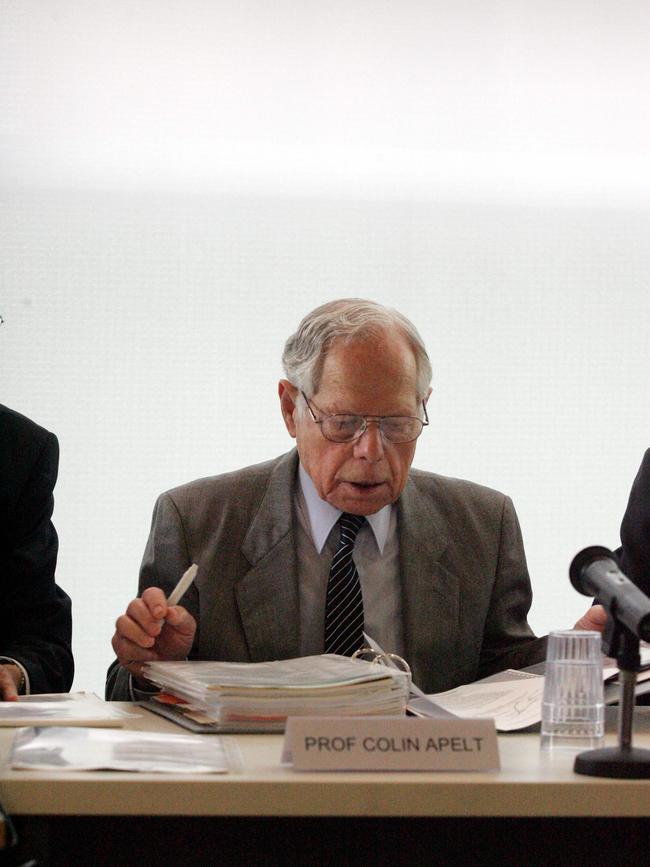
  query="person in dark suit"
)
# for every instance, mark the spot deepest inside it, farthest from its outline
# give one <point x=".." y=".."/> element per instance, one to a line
<point x="35" y="614"/>
<point x="634" y="553"/>
<point x="440" y="561"/>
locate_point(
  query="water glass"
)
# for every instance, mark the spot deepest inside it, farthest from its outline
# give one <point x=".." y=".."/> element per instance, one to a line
<point x="573" y="709"/>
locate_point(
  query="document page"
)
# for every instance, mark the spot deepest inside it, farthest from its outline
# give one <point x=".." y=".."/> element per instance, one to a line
<point x="514" y="698"/>
<point x="514" y="702"/>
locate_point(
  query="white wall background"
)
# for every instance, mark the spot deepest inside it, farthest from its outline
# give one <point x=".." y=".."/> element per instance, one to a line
<point x="181" y="181"/>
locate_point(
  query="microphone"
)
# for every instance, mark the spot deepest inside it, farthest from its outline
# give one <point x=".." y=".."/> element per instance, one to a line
<point x="595" y="572"/>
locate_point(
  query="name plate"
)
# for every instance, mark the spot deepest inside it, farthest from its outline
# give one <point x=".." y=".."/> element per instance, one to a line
<point x="390" y="744"/>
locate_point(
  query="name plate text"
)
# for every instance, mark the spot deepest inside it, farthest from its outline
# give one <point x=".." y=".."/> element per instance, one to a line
<point x="390" y="744"/>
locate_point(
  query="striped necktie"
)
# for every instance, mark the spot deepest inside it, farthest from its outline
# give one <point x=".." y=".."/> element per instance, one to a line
<point x="344" y="605"/>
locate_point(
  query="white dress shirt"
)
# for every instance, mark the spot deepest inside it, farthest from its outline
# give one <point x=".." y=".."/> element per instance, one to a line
<point x="376" y="555"/>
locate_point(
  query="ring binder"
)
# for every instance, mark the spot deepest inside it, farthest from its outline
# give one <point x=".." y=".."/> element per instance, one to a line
<point x="389" y="660"/>
<point x="260" y="696"/>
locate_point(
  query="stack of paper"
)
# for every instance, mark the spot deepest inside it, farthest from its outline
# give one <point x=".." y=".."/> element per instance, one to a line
<point x="259" y="696"/>
<point x="62" y="709"/>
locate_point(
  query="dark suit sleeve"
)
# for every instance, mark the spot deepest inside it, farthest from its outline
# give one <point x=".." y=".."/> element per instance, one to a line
<point x="634" y="554"/>
<point x="508" y="641"/>
<point x="37" y="623"/>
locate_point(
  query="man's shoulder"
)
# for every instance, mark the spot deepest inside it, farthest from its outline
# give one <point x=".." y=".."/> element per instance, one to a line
<point x="644" y="469"/>
<point x="23" y="444"/>
<point x="448" y="488"/>
<point x="21" y="428"/>
<point x="242" y="484"/>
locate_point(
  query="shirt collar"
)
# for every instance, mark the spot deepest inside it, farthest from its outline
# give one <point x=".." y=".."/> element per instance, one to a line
<point x="323" y="516"/>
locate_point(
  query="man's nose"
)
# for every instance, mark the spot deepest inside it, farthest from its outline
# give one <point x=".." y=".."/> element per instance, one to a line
<point x="370" y="444"/>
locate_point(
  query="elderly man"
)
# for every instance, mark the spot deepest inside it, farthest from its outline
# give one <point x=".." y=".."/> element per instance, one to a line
<point x="438" y="574"/>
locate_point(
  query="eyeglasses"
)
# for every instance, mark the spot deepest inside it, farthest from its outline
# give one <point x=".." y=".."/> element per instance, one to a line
<point x="345" y="428"/>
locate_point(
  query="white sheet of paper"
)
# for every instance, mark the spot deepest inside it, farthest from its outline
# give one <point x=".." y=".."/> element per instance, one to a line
<point x="513" y="704"/>
<point x="514" y="700"/>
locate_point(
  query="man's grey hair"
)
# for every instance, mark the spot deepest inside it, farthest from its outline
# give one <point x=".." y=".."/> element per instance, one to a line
<point x="347" y="319"/>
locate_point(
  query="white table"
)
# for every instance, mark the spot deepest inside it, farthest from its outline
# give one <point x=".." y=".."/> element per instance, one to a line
<point x="531" y="787"/>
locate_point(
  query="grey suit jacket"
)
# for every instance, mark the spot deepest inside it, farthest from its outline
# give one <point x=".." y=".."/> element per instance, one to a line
<point x="465" y="586"/>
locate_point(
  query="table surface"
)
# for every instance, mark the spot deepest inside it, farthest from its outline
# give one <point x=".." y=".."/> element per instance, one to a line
<point x="530" y="783"/>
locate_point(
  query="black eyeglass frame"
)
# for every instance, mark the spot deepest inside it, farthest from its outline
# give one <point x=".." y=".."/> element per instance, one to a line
<point x="366" y="418"/>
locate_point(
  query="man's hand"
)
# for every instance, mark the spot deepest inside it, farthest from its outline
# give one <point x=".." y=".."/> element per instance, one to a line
<point x="10" y="677"/>
<point x="150" y="630"/>
<point x="593" y="619"/>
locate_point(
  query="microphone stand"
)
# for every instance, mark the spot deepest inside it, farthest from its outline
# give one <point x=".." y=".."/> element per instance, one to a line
<point x="623" y="760"/>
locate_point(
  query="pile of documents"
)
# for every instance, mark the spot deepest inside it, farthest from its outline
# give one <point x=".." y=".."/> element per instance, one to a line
<point x="233" y="696"/>
<point x="62" y="709"/>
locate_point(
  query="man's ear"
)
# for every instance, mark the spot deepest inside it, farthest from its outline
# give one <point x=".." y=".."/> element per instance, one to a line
<point x="288" y="395"/>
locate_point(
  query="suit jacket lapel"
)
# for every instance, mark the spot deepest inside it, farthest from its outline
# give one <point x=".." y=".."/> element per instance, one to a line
<point x="429" y="590"/>
<point x="267" y="595"/>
